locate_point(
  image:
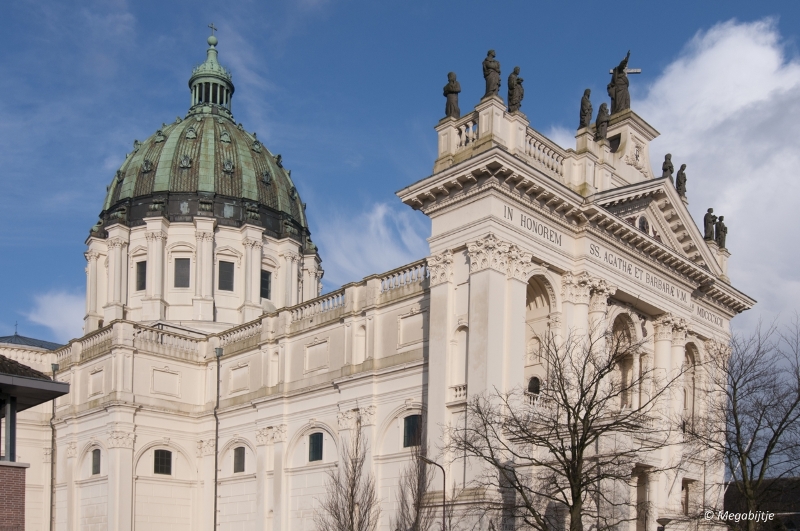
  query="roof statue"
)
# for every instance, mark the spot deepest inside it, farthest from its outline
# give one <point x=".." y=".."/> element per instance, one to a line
<point x="618" y="87"/>
<point x="680" y="181"/>
<point x="708" y="225"/>
<point x="586" y="110"/>
<point x="720" y="232"/>
<point x="451" y="91"/>
<point x="601" y="125"/>
<point x="515" y="91"/>
<point x="667" y="168"/>
<point x="491" y="72"/>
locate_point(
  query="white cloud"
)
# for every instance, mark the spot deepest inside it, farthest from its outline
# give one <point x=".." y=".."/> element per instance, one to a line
<point x="561" y="135"/>
<point x="60" y="311"/>
<point x="370" y="242"/>
<point x="729" y="107"/>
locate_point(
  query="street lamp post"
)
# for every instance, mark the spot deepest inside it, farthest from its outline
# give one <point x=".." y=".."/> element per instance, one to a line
<point x="444" y="488"/>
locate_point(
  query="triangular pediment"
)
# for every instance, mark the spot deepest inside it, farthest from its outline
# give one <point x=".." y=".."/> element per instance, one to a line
<point x="667" y="216"/>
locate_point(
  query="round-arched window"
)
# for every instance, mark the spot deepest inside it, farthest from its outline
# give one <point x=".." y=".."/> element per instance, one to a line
<point x="534" y="386"/>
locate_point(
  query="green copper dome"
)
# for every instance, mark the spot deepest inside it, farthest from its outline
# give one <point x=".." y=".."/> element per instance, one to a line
<point x="206" y="165"/>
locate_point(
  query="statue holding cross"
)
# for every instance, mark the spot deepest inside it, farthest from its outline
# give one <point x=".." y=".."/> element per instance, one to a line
<point x="618" y="88"/>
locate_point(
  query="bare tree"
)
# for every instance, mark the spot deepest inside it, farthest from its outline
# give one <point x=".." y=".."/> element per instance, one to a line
<point x="351" y="502"/>
<point x="752" y="419"/>
<point x="567" y="453"/>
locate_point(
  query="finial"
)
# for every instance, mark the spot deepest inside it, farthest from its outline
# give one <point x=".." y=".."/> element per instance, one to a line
<point x="212" y="40"/>
<point x="15" y="328"/>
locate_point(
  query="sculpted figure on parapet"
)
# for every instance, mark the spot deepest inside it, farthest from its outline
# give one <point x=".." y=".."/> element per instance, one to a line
<point x="491" y="72"/>
<point x="680" y="181"/>
<point x="618" y="88"/>
<point x="451" y="91"/>
<point x="601" y="126"/>
<point x="515" y="91"/>
<point x="708" y="224"/>
<point x="667" y="168"/>
<point x="586" y="110"/>
<point x="721" y="232"/>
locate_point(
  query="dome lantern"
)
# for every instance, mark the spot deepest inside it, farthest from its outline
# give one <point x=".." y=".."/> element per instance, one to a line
<point x="211" y="84"/>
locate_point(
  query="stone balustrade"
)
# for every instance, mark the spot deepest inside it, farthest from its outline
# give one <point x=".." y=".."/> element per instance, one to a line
<point x="544" y="153"/>
<point x="320" y="305"/>
<point x="467" y="130"/>
<point x="458" y="393"/>
<point x="413" y="273"/>
<point x="97" y="342"/>
<point x="166" y="343"/>
<point x="241" y="338"/>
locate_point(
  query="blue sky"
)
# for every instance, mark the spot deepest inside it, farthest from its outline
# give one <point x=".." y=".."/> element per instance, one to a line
<point x="348" y="92"/>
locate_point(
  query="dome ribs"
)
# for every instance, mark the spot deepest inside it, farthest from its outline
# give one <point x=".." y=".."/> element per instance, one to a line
<point x="145" y="179"/>
<point x="228" y="181"/>
<point x="267" y="193"/>
<point x="187" y="179"/>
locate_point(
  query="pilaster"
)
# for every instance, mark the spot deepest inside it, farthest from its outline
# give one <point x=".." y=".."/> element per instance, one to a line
<point x="251" y="308"/>
<point x="120" y="479"/>
<point x="440" y="268"/>
<point x="291" y="261"/>
<point x="576" y="296"/>
<point x="154" y="306"/>
<point x="203" y="300"/>
<point x="117" y="242"/>
<point x="205" y="458"/>
<point x="92" y="318"/>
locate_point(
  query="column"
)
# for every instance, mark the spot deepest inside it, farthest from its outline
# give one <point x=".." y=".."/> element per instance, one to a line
<point x="120" y="480"/>
<point x="290" y="261"/>
<point x="203" y="300"/>
<point x="92" y="317"/>
<point x="251" y="308"/>
<point x="575" y="294"/>
<point x="517" y="274"/>
<point x="676" y="367"/>
<point x="73" y="511"/>
<point x="659" y="482"/>
<point x="154" y="306"/>
<point x="205" y="458"/>
<point x="117" y="263"/>
<point x="440" y="323"/>
<point x="598" y="309"/>
<point x="280" y="507"/>
<point x="262" y="437"/>
<point x="662" y="353"/>
<point x="636" y="378"/>
<point x="495" y="349"/>
<point x="673" y="502"/>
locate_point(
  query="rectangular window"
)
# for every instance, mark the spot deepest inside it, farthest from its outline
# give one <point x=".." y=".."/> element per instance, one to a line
<point x="95" y="461"/>
<point x="162" y="462"/>
<point x="315" y="447"/>
<point x="238" y="459"/>
<point x="266" y="284"/>
<point x="141" y="275"/>
<point x="412" y="430"/>
<point x="182" y="275"/>
<point x="225" y="276"/>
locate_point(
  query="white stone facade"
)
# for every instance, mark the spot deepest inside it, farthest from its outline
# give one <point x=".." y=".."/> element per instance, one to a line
<point x="527" y="237"/>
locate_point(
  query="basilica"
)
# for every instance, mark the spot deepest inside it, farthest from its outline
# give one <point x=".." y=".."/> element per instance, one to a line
<point x="215" y="385"/>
